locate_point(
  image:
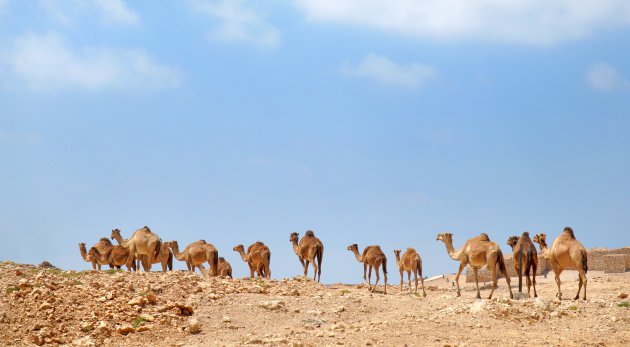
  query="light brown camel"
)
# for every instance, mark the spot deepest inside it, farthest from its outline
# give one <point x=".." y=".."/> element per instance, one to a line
<point x="118" y="256"/>
<point x="410" y="262"/>
<point x="97" y="262"/>
<point x="195" y="254"/>
<point x="568" y="253"/>
<point x="541" y="240"/>
<point x="142" y="242"/>
<point x="225" y="269"/>
<point x="523" y="247"/>
<point x="309" y="249"/>
<point x="372" y="257"/>
<point x="165" y="254"/>
<point x="258" y="257"/>
<point x="477" y="252"/>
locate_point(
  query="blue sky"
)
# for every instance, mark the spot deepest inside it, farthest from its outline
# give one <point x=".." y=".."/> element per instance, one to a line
<point x="367" y="121"/>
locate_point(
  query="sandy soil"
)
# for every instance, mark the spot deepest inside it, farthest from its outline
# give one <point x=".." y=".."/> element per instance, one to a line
<point x="49" y="307"/>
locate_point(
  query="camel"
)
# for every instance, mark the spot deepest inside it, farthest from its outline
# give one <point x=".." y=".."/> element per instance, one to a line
<point x="309" y="249"/>
<point x="523" y="247"/>
<point x="195" y="254"/>
<point x="372" y="257"/>
<point x="258" y="257"/>
<point x="568" y="253"/>
<point x="411" y="262"/>
<point x="541" y="239"/>
<point x="142" y="242"/>
<point x="96" y="261"/>
<point x="165" y="254"/>
<point x="224" y="268"/>
<point x="477" y="252"/>
<point x="117" y="257"/>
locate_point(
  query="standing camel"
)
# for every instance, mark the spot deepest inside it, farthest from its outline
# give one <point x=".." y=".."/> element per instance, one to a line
<point x="568" y="253"/>
<point x="195" y="254"/>
<point x="541" y="240"/>
<point x="118" y="256"/>
<point x="258" y="257"/>
<point x="142" y="242"/>
<point x="372" y="257"/>
<point x="523" y="247"/>
<point x="309" y="249"/>
<point x="411" y="262"/>
<point x="477" y="252"/>
<point x="97" y="261"/>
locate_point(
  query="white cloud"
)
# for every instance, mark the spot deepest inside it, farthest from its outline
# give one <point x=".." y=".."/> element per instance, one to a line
<point x="383" y="70"/>
<point x="605" y="77"/>
<point x="541" y="22"/>
<point x="238" y="21"/>
<point x="68" y="12"/>
<point x="46" y="62"/>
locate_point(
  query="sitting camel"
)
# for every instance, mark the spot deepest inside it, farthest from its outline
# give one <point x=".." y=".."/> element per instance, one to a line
<point x="142" y="242"/>
<point x="117" y="257"/>
<point x="309" y="249"/>
<point x="225" y="269"/>
<point x="523" y="247"/>
<point x="372" y="257"/>
<point x="477" y="252"/>
<point x="258" y="257"/>
<point x="568" y="253"/>
<point x="410" y="262"/>
<point x="195" y="254"/>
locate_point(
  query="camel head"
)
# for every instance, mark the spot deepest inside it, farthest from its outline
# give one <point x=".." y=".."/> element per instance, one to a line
<point x="239" y="248"/>
<point x="115" y="233"/>
<point x="81" y="245"/>
<point x="294" y="237"/>
<point x="512" y="241"/>
<point x="540" y="238"/>
<point x="444" y="237"/>
<point x="171" y="244"/>
<point x="353" y="247"/>
<point x="397" y="253"/>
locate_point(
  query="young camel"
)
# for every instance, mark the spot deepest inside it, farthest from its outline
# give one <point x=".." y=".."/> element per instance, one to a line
<point x="411" y="262"/>
<point x="195" y="254"/>
<point x="118" y="256"/>
<point x="225" y="269"/>
<point x="523" y="247"/>
<point x="309" y="249"/>
<point x="477" y="252"/>
<point x="568" y="253"/>
<point x="96" y="261"/>
<point x="372" y="257"/>
<point x="142" y="242"/>
<point x="258" y="257"/>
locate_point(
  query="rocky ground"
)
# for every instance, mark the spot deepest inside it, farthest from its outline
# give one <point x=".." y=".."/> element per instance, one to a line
<point x="44" y="306"/>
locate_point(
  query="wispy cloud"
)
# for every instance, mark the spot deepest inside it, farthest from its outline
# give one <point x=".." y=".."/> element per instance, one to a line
<point x="47" y="62"/>
<point x="384" y="70"/>
<point x="523" y="21"/>
<point x="605" y="77"/>
<point x="238" y="20"/>
<point x="69" y="12"/>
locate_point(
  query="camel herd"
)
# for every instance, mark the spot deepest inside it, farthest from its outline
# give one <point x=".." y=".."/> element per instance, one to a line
<point x="146" y="248"/>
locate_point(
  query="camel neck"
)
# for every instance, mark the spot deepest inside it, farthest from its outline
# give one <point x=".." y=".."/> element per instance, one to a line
<point x="119" y="239"/>
<point x="84" y="254"/>
<point x="357" y="255"/>
<point x="450" y="250"/>
<point x="176" y="253"/>
<point x="296" y="247"/>
<point x="243" y="255"/>
<point x="397" y="258"/>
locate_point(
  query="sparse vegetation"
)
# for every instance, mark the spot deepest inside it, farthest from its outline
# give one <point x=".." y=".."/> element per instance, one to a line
<point x="573" y="308"/>
<point x="12" y="289"/>
<point x="138" y="322"/>
<point x="623" y="304"/>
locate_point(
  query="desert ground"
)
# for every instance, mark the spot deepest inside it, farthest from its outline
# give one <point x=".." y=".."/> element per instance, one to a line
<point x="48" y="306"/>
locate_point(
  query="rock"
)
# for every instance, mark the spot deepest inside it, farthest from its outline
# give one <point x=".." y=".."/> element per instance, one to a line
<point x="338" y="327"/>
<point x="87" y="326"/>
<point x="147" y="317"/>
<point x="254" y="341"/>
<point x="84" y="341"/>
<point x="272" y="305"/>
<point x="194" y="327"/>
<point x="47" y="265"/>
<point x="126" y="329"/>
<point x="18" y="272"/>
<point x="622" y="295"/>
<point x="151" y="298"/>
<point x="338" y="309"/>
<point x="37" y="340"/>
<point x="294" y="292"/>
<point x="45" y="306"/>
<point x="226" y="319"/>
<point x="144" y="327"/>
<point x="138" y="300"/>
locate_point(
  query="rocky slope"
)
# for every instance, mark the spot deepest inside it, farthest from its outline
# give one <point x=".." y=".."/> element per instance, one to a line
<point x="45" y="306"/>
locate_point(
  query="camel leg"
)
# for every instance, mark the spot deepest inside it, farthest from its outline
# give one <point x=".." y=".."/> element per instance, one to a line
<point x="401" y="279"/>
<point x="315" y="269"/>
<point x="495" y="282"/>
<point x="559" y="294"/>
<point x="306" y="267"/>
<point x="409" y="280"/>
<point x="459" y="272"/>
<point x="534" y="270"/>
<point x="583" y="276"/>
<point x="577" y="296"/>
<point x="424" y="293"/>
<point x="251" y="271"/>
<point x="580" y="284"/>
<point x="529" y="282"/>
<point x="364" y="271"/>
<point x="376" y="266"/>
<point x="477" y="283"/>
<point x="370" y="277"/>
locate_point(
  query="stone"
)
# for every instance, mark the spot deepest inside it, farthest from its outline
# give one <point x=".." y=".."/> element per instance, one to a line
<point x="138" y="300"/>
<point x="126" y="329"/>
<point x="338" y="309"/>
<point x="45" y="306"/>
<point x="147" y="317"/>
<point x="194" y="327"/>
<point x="622" y="295"/>
<point x="151" y="298"/>
<point x="226" y="319"/>
<point x="272" y="305"/>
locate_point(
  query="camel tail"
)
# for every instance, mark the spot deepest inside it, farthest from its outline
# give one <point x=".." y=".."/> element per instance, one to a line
<point x="520" y="270"/>
<point x="501" y="263"/>
<point x="216" y="262"/>
<point x="385" y="265"/>
<point x="320" y="257"/>
<point x="169" y="263"/>
<point x="584" y="260"/>
<point x="158" y="249"/>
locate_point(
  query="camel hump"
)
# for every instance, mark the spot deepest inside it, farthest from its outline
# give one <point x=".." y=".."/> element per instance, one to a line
<point x="221" y="259"/>
<point x="483" y="237"/>
<point x="525" y="235"/>
<point x="569" y="232"/>
<point x="309" y="233"/>
<point x="411" y="249"/>
<point x="105" y="239"/>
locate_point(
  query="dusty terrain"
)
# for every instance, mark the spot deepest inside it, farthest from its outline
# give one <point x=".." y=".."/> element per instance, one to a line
<point x="48" y="306"/>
